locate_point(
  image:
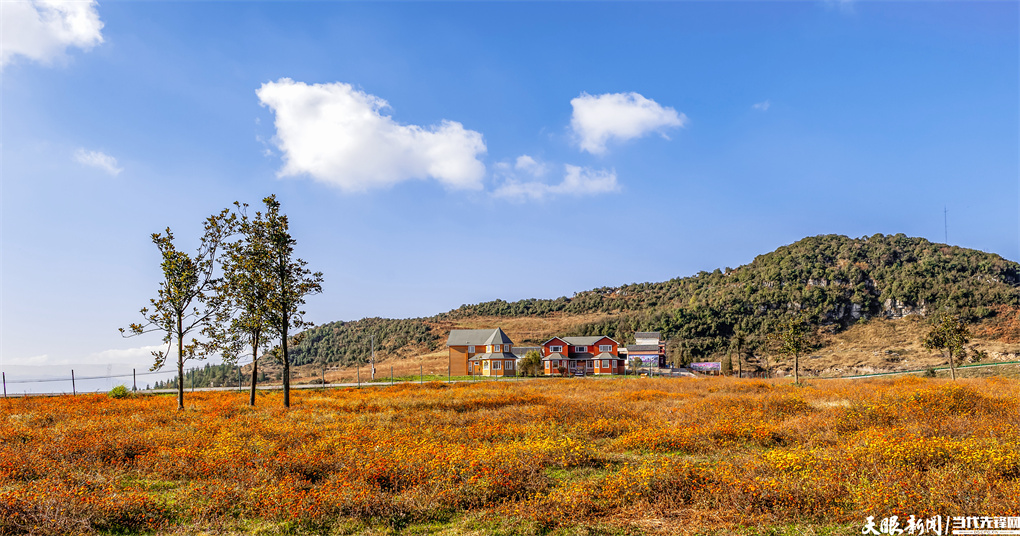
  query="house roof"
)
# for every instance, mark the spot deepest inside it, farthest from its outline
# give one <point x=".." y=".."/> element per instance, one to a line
<point x="647" y="335"/>
<point x="642" y="348"/>
<point x="521" y="351"/>
<point x="477" y="337"/>
<point x="606" y="355"/>
<point x="554" y="339"/>
<point x="493" y="355"/>
<point x="585" y="341"/>
<point x="557" y="355"/>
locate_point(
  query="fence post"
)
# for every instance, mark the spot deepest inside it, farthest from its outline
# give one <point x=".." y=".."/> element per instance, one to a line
<point x="391" y="374"/>
<point x="134" y="380"/>
<point x="359" y="376"/>
<point x="5" y="384"/>
<point x="421" y="372"/>
<point x="74" y="390"/>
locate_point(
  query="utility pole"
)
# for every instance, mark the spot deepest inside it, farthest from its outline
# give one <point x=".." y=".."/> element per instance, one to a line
<point x="373" y="357"/>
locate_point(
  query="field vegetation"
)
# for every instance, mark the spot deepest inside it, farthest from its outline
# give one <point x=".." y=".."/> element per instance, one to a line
<point x="548" y="456"/>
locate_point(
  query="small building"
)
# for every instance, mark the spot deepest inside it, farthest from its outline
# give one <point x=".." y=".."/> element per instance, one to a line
<point x="648" y="348"/>
<point x="486" y="352"/>
<point x="582" y="355"/>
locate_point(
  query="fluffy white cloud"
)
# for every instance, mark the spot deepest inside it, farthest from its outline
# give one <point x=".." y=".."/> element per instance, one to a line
<point x="98" y="160"/>
<point x="338" y="135"/>
<point x="762" y="106"/>
<point x="619" y="116"/>
<point x="577" y="181"/>
<point x="42" y="30"/>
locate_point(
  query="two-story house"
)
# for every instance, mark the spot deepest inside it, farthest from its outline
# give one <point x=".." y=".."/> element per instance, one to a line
<point x="582" y="355"/>
<point x="649" y="349"/>
<point x="484" y="352"/>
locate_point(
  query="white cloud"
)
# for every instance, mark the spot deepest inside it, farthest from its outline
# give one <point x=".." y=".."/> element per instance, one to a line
<point x="529" y="165"/>
<point x="138" y="355"/>
<point x="28" y="361"/>
<point x="42" y="30"/>
<point x="98" y="160"/>
<point x="337" y="135"/>
<point x="762" y="106"/>
<point x="577" y="181"/>
<point x="619" y="116"/>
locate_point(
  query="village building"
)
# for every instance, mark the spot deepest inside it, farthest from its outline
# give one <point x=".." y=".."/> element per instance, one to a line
<point x="582" y="356"/>
<point x="481" y="352"/>
<point x="648" y="348"/>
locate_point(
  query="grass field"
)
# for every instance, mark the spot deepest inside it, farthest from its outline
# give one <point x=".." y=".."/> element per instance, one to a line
<point x="555" y="456"/>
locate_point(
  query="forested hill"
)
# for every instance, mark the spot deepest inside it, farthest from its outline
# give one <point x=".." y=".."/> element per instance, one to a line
<point x="831" y="280"/>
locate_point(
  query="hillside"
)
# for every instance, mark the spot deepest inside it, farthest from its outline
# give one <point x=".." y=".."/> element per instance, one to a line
<point x="833" y="281"/>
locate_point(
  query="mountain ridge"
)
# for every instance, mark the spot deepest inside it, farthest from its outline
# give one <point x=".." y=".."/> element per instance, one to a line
<point x="832" y="281"/>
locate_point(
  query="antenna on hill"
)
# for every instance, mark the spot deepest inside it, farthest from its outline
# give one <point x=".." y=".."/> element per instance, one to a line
<point x="945" y="222"/>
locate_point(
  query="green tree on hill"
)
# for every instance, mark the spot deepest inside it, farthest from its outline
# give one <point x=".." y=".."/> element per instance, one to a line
<point x="947" y="334"/>
<point x="792" y="340"/>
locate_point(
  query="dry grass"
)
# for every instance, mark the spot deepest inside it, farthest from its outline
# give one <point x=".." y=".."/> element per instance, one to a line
<point x="881" y="345"/>
<point x="562" y="456"/>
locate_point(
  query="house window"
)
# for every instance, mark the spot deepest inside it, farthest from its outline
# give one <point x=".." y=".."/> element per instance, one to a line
<point x="471" y="349"/>
<point x="495" y="348"/>
<point x="509" y="365"/>
<point x="495" y="365"/>
<point x="555" y="349"/>
<point x="587" y="364"/>
<point x="580" y="349"/>
<point x="485" y="365"/>
<point x="605" y="363"/>
<point x="605" y="347"/>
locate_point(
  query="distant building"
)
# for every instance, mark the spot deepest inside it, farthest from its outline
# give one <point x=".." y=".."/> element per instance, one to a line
<point x="582" y="355"/>
<point x="485" y="352"/>
<point x="649" y="349"/>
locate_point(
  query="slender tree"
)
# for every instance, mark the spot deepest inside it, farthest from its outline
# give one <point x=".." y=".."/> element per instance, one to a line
<point x="245" y="290"/>
<point x="792" y="339"/>
<point x="292" y="282"/>
<point x="186" y="302"/>
<point x="739" y="339"/>
<point x="947" y="334"/>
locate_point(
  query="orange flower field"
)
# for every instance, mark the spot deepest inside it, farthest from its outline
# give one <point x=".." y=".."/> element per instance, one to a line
<point x="608" y="456"/>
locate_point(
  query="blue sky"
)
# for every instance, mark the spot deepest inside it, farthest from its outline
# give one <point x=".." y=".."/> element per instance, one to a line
<point x="431" y="155"/>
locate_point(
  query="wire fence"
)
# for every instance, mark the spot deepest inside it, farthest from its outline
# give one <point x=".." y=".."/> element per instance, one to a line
<point x="75" y="383"/>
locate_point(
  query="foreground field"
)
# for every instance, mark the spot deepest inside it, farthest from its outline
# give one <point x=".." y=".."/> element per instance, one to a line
<point x="620" y="456"/>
